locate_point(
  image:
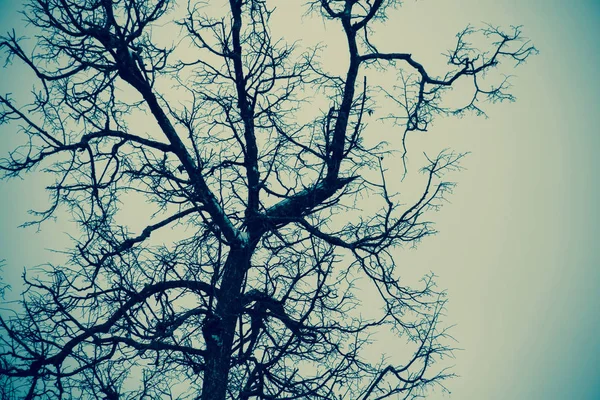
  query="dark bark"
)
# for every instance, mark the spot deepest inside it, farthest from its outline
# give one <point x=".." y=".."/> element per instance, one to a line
<point x="219" y="338"/>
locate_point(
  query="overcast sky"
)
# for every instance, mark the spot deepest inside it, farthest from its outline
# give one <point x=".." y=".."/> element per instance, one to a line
<point x="517" y="247"/>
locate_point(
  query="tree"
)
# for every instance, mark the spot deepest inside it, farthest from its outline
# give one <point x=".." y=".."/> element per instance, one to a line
<point x="252" y="291"/>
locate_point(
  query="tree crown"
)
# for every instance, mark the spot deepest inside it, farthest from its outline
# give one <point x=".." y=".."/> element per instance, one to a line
<point x="252" y="162"/>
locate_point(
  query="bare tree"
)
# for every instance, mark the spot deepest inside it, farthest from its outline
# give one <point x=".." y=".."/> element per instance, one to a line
<point x="252" y="291"/>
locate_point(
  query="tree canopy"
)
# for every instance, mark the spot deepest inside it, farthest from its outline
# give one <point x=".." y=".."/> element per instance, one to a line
<point x="253" y="161"/>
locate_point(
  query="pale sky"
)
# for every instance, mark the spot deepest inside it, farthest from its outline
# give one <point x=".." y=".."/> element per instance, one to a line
<point x="516" y="249"/>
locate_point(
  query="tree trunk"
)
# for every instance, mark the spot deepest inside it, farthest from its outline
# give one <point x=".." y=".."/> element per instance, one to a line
<point x="219" y="329"/>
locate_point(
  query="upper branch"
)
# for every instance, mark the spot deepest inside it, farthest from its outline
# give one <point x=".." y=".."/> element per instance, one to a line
<point x="246" y="110"/>
<point x="469" y="66"/>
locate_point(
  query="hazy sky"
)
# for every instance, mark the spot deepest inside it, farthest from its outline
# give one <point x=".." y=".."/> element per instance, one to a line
<point x="516" y="249"/>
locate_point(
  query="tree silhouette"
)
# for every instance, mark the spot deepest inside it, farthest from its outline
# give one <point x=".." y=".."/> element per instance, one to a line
<point x="242" y="283"/>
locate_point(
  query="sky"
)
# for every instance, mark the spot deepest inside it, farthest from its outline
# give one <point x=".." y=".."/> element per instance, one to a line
<point x="516" y="247"/>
